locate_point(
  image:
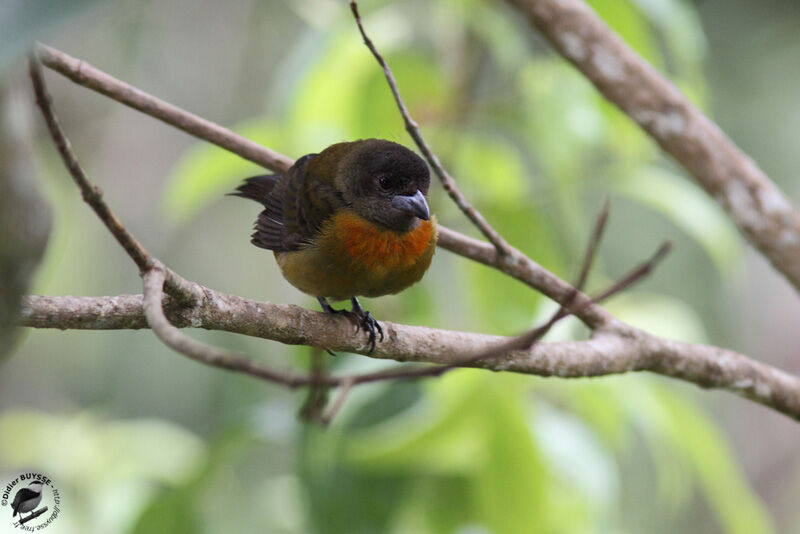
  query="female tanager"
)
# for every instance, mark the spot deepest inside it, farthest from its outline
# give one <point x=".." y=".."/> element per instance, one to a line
<point x="349" y="221"/>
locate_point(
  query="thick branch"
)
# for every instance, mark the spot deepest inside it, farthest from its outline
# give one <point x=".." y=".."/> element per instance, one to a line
<point x="605" y="354"/>
<point x="757" y="206"/>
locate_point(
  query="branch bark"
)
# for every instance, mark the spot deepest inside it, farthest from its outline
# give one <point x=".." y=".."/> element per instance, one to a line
<point x="605" y="354"/>
<point x="756" y="205"/>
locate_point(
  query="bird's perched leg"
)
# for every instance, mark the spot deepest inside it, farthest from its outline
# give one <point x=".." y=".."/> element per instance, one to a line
<point x="361" y="317"/>
<point x="326" y="307"/>
<point x="367" y="323"/>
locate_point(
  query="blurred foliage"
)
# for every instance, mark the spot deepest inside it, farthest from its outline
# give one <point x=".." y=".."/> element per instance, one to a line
<point x="107" y="469"/>
<point x="535" y="148"/>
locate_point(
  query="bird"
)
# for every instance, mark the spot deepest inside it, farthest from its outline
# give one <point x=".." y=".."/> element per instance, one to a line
<point x="27" y="499"/>
<point x="349" y="221"/>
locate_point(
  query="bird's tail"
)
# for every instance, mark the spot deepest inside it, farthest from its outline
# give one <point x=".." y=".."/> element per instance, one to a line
<point x="257" y="188"/>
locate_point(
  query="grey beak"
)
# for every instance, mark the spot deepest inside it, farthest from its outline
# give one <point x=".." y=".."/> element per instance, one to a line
<point x="414" y="204"/>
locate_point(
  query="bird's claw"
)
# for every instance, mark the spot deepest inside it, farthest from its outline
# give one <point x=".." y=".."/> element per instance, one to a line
<point x="372" y="327"/>
<point x="361" y="319"/>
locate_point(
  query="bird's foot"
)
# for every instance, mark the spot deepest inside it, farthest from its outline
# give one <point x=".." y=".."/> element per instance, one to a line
<point x="372" y="328"/>
<point x="367" y="323"/>
<point x="327" y="308"/>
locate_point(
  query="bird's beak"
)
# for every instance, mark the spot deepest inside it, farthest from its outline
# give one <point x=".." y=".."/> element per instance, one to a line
<point x="414" y="204"/>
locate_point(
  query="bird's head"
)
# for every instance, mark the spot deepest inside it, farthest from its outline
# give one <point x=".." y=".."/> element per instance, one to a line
<point x="385" y="183"/>
<point x="36" y="486"/>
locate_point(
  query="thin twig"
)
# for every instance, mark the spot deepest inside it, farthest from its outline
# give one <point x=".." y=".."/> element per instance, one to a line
<point x="637" y="273"/>
<point x="413" y="130"/>
<point x="344" y="391"/>
<point x="594" y="244"/>
<point x="91" y="194"/>
<point x="172" y="337"/>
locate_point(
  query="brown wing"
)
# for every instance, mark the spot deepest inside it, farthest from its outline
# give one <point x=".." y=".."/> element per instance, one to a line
<point x="295" y="205"/>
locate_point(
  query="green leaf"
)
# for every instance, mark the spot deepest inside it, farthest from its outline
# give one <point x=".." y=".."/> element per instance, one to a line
<point x="511" y="486"/>
<point x="737" y="506"/>
<point x="333" y="485"/>
<point x="492" y="166"/>
<point x="97" y="451"/>
<point x="660" y="315"/>
<point x="574" y="451"/>
<point x="594" y="403"/>
<point x="170" y="512"/>
<point x="690" y="209"/>
<point x="560" y="121"/>
<point x="470" y="443"/>
<point x="176" y="508"/>
<point x="687" y="447"/>
<point x="685" y="44"/>
<point x="437" y="437"/>
<point x="426" y="93"/>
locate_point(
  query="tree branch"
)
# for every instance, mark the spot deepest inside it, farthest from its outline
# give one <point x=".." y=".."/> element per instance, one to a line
<point x="756" y="205"/>
<point x="604" y="354"/>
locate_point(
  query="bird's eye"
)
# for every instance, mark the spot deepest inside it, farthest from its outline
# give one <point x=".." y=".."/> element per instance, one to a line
<point x="384" y="182"/>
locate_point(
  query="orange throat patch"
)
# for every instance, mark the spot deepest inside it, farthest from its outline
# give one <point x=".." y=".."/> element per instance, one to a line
<point x="378" y="248"/>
